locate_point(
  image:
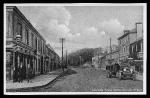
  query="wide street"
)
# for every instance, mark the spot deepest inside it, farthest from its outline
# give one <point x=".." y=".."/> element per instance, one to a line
<point x="91" y="80"/>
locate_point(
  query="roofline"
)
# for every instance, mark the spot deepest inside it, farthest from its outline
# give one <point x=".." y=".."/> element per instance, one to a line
<point x="138" y="23"/>
<point x="25" y="19"/>
<point x="125" y="35"/>
<point x="141" y="38"/>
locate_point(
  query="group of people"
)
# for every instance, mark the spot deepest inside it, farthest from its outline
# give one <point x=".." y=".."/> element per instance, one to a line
<point x="20" y="73"/>
<point x="115" y="66"/>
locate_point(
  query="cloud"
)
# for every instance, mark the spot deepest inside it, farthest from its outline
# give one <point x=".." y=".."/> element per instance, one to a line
<point x="51" y="21"/>
<point x="89" y="36"/>
<point x="112" y="27"/>
<point x="95" y="36"/>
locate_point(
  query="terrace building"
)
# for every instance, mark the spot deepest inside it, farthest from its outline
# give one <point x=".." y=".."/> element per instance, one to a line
<point x="24" y="45"/>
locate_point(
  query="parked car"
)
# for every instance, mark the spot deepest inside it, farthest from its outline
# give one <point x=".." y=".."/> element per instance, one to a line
<point x="112" y="70"/>
<point x="127" y="73"/>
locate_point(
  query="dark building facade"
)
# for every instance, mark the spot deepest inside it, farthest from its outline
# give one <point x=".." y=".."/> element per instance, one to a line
<point x="25" y="47"/>
<point x="136" y="52"/>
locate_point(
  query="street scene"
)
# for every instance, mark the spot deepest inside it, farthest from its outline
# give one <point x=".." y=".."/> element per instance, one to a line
<point x="74" y="48"/>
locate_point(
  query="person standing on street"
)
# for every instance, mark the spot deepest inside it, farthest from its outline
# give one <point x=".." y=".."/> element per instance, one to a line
<point x="21" y="73"/>
<point x="14" y="75"/>
<point x="29" y="73"/>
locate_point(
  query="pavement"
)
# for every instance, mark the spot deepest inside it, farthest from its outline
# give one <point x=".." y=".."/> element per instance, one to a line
<point x="35" y="82"/>
<point x="80" y="80"/>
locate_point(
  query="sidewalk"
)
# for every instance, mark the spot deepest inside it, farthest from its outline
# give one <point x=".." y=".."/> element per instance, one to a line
<point x="36" y="81"/>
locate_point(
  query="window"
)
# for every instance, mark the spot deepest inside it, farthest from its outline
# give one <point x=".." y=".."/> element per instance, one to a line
<point x="132" y="48"/>
<point x="41" y="46"/>
<point x="27" y="36"/>
<point x="141" y="46"/>
<point x="35" y="42"/>
<point x="19" y="30"/>
<point x="7" y="23"/>
<point x="136" y="48"/>
<point x="32" y="39"/>
<point x="38" y="45"/>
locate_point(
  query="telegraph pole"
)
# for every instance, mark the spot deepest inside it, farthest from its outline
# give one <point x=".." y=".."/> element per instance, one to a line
<point x="110" y="49"/>
<point x="110" y="45"/>
<point x="66" y="59"/>
<point x="62" y="41"/>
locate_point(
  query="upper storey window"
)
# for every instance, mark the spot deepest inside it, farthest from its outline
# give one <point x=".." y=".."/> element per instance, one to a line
<point x="19" y="29"/>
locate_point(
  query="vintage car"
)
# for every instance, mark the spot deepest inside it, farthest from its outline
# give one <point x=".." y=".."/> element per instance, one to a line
<point x="127" y="73"/>
<point x="112" y="70"/>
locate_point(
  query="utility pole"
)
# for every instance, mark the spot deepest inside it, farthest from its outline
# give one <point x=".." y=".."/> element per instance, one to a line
<point x="62" y="41"/>
<point x="110" y="49"/>
<point x="66" y="59"/>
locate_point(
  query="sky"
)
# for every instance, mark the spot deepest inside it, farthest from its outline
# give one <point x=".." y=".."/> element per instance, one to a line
<point x="82" y="26"/>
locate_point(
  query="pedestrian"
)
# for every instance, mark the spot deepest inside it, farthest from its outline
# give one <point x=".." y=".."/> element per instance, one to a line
<point x="21" y="72"/>
<point x="29" y="74"/>
<point x="17" y="74"/>
<point x="14" y="74"/>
